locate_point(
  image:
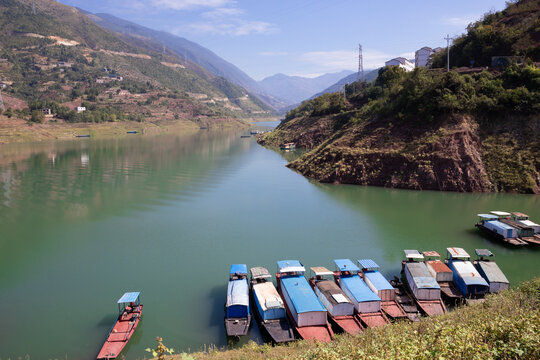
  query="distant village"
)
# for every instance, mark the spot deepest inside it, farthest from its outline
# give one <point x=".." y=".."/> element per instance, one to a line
<point x="422" y="58"/>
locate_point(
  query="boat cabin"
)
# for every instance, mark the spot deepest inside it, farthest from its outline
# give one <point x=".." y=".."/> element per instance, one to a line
<point x="238" y="292"/>
<point x="501" y="214"/>
<point x="305" y="307"/>
<point x="329" y="293"/>
<point x="130" y="301"/>
<point x="466" y="277"/>
<point x="266" y="298"/>
<point x="363" y="298"/>
<point x="524" y="219"/>
<point x="376" y="281"/>
<point x="422" y="284"/>
<point x="439" y="270"/>
<point x="490" y="271"/>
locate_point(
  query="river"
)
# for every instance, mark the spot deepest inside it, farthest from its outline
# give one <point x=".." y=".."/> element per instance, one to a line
<point x="84" y="221"/>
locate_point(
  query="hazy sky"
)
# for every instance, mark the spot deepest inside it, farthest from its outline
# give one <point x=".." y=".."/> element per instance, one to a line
<point x="301" y="37"/>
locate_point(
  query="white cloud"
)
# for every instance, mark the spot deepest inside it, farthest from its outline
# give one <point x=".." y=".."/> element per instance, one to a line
<point x="235" y="27"/>
<point x="460" y="21"/>
<point x="220" y="13"/>
<point x="188" y="4"/>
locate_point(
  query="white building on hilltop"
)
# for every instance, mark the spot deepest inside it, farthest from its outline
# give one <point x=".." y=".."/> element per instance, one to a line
<point x="422" y="56"/>
<point x="403" y="63"/>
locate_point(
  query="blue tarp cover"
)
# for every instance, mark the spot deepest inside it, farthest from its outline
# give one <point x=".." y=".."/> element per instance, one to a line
<point x="359" y="289"/>
<point x="346" y="265"/>
<point x="301" y="294"/>
<point x="378" y="280"/>
<point x="368" y="264"/>
<point x="501" y="225"/>
<point x="238" y="269"/>
<point x="290" y="265"/>
<point x="129" y="297"/>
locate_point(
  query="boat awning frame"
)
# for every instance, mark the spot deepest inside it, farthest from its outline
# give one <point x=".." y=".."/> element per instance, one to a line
<point x="129" y="297"/>
<point x="260" y="272"/>
<point x="285" y="266"/>
<point x="483" y="252"/>
<point x="413" y="255"/>
<point x="431" y="254"/>
<point x="487" y="216"/>
<point x="500" y="213"/>
<point x="346" y="265"/>
<point x="368" y="264"/>
<point x="457" y="253"/>
<point x="238" y="269"/>
<point x="321" y="271"/>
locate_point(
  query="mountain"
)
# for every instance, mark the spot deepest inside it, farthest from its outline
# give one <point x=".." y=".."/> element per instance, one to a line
<point x="185" y="49"/>
<point x="58" y="58"/>
<point x="339" y="85"/>
<point x="467" y="130"/>
<point x="295" y="89"/>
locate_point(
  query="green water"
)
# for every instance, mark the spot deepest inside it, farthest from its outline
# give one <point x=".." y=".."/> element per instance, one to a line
<point x="82" y="222"/>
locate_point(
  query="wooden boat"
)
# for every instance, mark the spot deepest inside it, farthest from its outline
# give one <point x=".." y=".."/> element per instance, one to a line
<point x="382" y="287"/>
<point x="83" y="136"/>
<point x="405" y="299"/>
<point x="490" y="271"/>
<point x="131" y="132"/>
<point x="305" y="310"/>
<point x="490" y="224"/>
<point x="245" y="136"/>
<point x="340" y="307"/>
<point x="288" y="146"/>
<point x="367" y="304"/>
<point x="269" y="307"/>
<point x="422" y="285"/>
<point x="443" y="275"/>
<point x="466" y="277"/>
<point x="237" y="312"/>
<point x="130" y="311"/>
<point x="524" y="219"/>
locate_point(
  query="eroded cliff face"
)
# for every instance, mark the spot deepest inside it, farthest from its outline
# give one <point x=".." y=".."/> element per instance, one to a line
<point x="448" y="156"/>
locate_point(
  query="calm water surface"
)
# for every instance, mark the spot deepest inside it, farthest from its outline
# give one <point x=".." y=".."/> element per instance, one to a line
<point x="83" y="221"/>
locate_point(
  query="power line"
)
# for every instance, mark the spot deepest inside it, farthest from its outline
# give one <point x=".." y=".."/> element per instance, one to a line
<point x="447" y="38"/>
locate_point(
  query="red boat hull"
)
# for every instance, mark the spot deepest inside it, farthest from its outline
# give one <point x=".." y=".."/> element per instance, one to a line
<point x="120" y="334"/>
<point x="349" y="324"/>
<point x="373" y="319"/>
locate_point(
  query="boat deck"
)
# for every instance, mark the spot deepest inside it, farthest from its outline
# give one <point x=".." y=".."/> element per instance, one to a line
<point x="121" y="333"/>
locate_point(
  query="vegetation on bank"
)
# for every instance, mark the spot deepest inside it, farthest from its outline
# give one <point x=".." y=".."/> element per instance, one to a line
<point x="505" y="326"/>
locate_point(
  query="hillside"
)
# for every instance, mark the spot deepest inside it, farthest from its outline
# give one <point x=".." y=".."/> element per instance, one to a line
<point x="349" y="79"/>
<point x="295" y="89"/>
<point x="425" y="129"/>
<point x="59" y="59"/>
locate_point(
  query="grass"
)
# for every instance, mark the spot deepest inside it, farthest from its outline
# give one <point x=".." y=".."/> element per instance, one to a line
<point x="505" y="326"/>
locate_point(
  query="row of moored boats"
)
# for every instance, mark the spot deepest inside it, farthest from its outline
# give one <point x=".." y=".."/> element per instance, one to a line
<point x="356" y="295"/>
<point x="513" y="228"/>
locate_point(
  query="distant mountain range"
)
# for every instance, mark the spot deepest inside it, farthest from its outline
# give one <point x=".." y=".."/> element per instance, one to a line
<point x="339" y="85"/>
<point x="295" y="89"/>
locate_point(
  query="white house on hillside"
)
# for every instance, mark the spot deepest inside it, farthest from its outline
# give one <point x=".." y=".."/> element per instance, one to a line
<point x="403" y="63"/>
<point x="422" y="56"/>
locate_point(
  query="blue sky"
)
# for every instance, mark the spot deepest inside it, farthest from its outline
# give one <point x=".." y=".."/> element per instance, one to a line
<point x="301" y="37"/>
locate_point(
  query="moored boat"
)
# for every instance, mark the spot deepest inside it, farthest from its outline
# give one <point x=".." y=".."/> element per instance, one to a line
<point x="382" y="287"/>
<point x="406" y="300"/>
<point x="469" y="281"/>
<point x="237" y="312"/>
<point x="490" y="271"/>
<point x="288" y="146"/>
<point x="307" y="313"/>
<point x="130" y="311"/>
<point x="423" y="286"/>
<point x="269" y="307"/>
<point x="443" y="275"/>
<point x="490" y="224"/>
<point x="367" y="304"/>
<point x="340" y="307"/>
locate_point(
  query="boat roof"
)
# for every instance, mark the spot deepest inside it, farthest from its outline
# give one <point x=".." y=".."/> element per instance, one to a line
<point x="528" y="223"/>
<point x="468" y="273"/>
<point x="129" y="297"/>
<point x="332" y="292"/>
<point x="421" y="276"/>
<point x="438" y="266"/>
<point x="483" y="252"/>
<point x="358" y="288"/>
<point x="431" y="254"/>
<point x="520" y="214"/>
<point x="285" y="266"/>
<point x="500" y="213"/>
<point x="492" y="272"/>
<point x="368" y="264"/>
<point x="301" y="294"/>
<point x="240" y="269"/>
<point x="238" y="292"/>
<point x="345" y="265"/>
<point x="502" y="225"/>
<point x="458" y="253"/>
<point x="321" y="271"/>
<point x="488" y="216"/>
<point x="260" y="272"/>
<point x="378" y="280"/>
<point x="267" y="296"/>
<point x="413" y="254"/>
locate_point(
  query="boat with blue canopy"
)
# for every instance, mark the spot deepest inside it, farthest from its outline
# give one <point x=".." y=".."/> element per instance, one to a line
<point x="269" y="307"/>
<point x="304" y="308"/>
<point x="382" y="287"/>
<point x="492" y="225"/>
<point x="237" y="311"/>
<point x="367" y="303"/>
<point x="423" y="286"/>
<point x="130" y="311"/>
<point x="466" y="277"/>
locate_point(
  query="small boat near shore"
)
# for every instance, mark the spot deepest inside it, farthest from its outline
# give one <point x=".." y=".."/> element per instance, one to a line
<point x="130" y="309"/>
<point x="340" y="307"/>
<point x="469" y="281"/>
<point x="444" y="277"/>
<point x="269" y="307"/>
<point x="307" y="313"/>
<point x="406" y="300"/>
<point x="422" y="285"/>
<point x="288" y="146"/>
<point x="367" y="304"/>
<point x="490" y="271"/>
<point x="237" y="311"/>
<point x="382" y="287"/>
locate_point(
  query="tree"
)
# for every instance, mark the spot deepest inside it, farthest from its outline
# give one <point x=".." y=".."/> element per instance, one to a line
<point x="37" y="117"/>
<point x="9" y="112"/>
